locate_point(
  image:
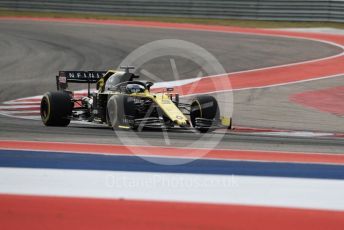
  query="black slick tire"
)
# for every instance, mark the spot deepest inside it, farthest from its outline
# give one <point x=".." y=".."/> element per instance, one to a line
<point x="204" y="106"/>
<point x="56" y="109"/>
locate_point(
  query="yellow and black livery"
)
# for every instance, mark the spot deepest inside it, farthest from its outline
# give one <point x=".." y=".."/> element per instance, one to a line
<point x="122" y="101"/>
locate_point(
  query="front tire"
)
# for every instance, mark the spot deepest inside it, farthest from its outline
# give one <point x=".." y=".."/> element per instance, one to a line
<point x="204" y="106"/>
<point x="119" y="109"/>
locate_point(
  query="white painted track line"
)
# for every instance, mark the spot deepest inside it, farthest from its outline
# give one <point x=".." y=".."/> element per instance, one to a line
<point x="244" y="190"/>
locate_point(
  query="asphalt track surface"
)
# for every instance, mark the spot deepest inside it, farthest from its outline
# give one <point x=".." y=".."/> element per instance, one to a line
<point x="33" y="52"/>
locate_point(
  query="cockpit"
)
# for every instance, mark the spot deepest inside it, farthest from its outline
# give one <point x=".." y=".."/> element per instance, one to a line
<point x="123" y="82"/>
<point x="135" y="88"/>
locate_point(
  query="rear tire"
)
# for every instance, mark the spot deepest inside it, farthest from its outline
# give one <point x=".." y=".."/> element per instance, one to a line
<point x="56" y="109"/>
<point x="204" y="106"/>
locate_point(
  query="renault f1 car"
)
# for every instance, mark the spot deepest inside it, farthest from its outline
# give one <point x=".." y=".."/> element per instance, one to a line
<point x="122" y="101"/>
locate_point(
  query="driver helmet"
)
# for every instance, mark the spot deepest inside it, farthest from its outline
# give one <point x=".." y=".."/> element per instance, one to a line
<point x="135" y="88"/>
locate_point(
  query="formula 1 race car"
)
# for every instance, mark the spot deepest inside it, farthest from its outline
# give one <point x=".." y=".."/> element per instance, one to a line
<point x="121" y="101"/>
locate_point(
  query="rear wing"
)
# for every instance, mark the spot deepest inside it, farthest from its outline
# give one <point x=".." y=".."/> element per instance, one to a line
<point x="88" y="77"/>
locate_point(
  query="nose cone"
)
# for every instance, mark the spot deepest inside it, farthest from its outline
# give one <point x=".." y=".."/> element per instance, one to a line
<point x="181" y="121"/>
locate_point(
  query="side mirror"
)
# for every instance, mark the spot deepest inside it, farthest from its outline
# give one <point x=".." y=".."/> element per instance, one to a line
<point x="149" y="84"/>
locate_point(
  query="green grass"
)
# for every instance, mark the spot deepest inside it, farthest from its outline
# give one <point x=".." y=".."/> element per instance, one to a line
<point x="225" y="22"/>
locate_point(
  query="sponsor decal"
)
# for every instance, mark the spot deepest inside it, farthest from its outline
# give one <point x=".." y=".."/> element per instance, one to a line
<point x="179" y="117"/>
<point x="62" y="79"/>
<point x="79" y="75"/>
